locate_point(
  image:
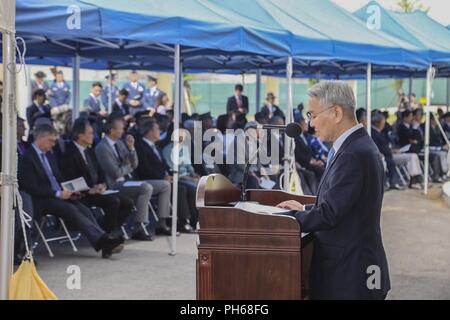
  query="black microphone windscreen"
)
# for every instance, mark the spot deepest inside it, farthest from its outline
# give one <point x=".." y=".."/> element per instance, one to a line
<point x="293" y="130"/>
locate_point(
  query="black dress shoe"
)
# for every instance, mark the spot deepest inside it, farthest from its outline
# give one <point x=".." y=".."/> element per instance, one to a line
<point x="110" y="244"/>
<point x="187" y="228"/>
<point x="164" y="230"/>
<point x="141" y="236"/>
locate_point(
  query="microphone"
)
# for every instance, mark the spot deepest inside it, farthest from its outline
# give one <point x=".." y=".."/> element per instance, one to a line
<point x="292" y="130"/>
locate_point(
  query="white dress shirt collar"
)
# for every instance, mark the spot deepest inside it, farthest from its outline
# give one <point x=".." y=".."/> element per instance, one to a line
<point x="340" y="141"/>
<point x="81" y="149"/>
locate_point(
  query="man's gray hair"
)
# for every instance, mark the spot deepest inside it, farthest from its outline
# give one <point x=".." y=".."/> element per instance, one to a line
<point x="332" y="93"/>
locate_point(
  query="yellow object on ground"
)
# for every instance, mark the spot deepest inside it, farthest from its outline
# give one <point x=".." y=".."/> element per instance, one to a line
<point x="27" y="285"/>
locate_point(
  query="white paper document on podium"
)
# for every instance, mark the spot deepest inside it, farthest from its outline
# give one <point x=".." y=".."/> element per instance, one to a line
<point x="258" y="208"/>
<point x="78" y="184"/>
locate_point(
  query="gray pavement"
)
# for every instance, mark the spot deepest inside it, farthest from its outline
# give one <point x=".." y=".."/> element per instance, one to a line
<point x="416" y="233"/>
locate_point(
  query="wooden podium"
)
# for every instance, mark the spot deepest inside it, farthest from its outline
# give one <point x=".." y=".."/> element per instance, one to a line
<point x="247" y="256"/>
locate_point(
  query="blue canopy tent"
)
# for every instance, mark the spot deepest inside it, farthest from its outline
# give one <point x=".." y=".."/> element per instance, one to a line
<point x="253" y="36"/>
<point x="422" y="31"/>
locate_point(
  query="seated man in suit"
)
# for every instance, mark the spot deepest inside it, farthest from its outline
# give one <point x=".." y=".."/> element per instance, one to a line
<point x="414" y="136"/>
<point x="303" y="153"/>
<point x="118" y="161"/>
<point x="238" y="102"/>
<point x="152" y="168"/>
<point x="39" y="109"/>
<point x="79" y="160"/>
<point x="386" y="152"/>
<point x="40" y="177"/>
<point x="349" y="261"/>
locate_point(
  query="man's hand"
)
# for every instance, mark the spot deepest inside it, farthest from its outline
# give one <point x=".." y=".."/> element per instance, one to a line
<point x="65" y="194"/>
<point x="75" y="195"/>
<point x="134" y="103"/>
<point x="168" y="179"/>
<point x="130" y="141"/>
<point x="99" y="188"/>
<point x="291" y="205"/>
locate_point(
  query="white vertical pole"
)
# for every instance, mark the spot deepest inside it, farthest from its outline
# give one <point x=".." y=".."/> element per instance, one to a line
<point x="369" y="98"/>
<point x="110" y="102"/>
<point x="427" y="129"/>
<point x="76" y="87"/>
<point x="8" y="156"/>
<point x="258" y="90"/>
<point x="176" y="139"/>
<point x="287" y="140"/>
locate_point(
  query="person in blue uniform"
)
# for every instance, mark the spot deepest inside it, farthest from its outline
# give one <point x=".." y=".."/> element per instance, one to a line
<point x="135" y="93"/>
<point x="152" y="93"/>
<point x="92" y="102"/>
<point x="114" y="90"/>
<point x="59" y="91"/>
<point x="59" y="98"/>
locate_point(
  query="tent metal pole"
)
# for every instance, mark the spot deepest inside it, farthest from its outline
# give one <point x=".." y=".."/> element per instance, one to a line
<point x="369" y="98"/>
<point x="427" y="130"/>
<point x="9" y="123"/>
<point x="410" y="83"/>
<point x="258" y="89"/>
<point x="176" y="138"/>
<point x="287" y="140"/>
<point x="110" y="103"/>
<point x="76" y="87"/>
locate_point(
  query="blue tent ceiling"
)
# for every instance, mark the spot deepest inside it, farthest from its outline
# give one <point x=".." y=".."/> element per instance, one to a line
<point x="233" y="36"/>
<point x="416" y="28"/>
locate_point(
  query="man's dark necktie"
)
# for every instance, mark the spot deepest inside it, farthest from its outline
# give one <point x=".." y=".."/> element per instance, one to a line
<point x="116" y="146"/>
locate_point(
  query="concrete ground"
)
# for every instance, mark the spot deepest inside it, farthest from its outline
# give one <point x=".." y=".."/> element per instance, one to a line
<point x="416" y="235"/>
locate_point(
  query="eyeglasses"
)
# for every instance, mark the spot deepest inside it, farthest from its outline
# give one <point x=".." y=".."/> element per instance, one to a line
<point x="311" y="116"/>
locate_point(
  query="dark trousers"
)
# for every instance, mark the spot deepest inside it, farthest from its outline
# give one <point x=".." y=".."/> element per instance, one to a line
<point x="187" y="204"/>
<point x="74" y="213"/>
<point x="116" y="207"/>
<point x="390" y="164"/>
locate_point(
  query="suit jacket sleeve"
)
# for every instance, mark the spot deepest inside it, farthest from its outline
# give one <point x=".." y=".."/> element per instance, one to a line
<point x="344" y="188"/>
<point x="109" y="165"/>
<point x="29" y="181"/>
<point x="130" y="156"/>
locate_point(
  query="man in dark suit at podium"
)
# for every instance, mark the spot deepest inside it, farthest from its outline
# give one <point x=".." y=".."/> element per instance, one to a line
<point x="348" y="261"/>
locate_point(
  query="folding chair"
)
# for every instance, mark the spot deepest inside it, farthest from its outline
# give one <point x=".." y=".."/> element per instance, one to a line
<point x="65" y="237"/>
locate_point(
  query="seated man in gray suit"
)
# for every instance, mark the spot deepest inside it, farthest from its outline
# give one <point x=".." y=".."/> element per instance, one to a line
<point x="118" y="160"/>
